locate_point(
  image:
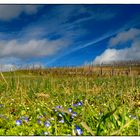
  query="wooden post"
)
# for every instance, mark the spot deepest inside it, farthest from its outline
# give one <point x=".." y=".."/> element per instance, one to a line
<point x="132" y="76"/>
<point x="101" y="71"/>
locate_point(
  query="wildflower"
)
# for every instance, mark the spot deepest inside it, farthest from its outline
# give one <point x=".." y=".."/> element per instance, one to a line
<point x="39" y="121"/>
<point x="52" y="118"/>
<point x="75" y="105"/>
<point x="58" y="107"/>
<point x="60" y="115"/>
<point x="5" y="117"/>
<point x="39" y="117"/>
<point x="74" y="114"/>
<point x="26" y="119"/>
<point x="132" y="117"/>
<point x="78" y="130"/>
<point x="1" y="105"/>
<point x="70" y="109"/>
<point x="22" y="117"/>
<point x="18" y="122"/>
<point x="47" y="124"/>
<point x="45" y="133"/>
<point x="79" y="104"/>
<point x="61" y="121"/>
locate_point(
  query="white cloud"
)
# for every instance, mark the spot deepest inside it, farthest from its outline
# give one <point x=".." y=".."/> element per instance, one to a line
<point x="7" y="67"/>
<point x="132" y="53"/>
<point x="30" y="49"/>
<point x="126" y="53"/>
<point x="124" y="36"/>
<point x="8" y="12"/>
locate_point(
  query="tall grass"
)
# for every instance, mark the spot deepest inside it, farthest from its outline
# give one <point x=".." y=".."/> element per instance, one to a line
<point x="32" y="104"/>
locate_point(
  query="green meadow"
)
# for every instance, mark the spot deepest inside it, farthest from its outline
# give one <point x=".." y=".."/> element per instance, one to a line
<point x="35" y="104"/>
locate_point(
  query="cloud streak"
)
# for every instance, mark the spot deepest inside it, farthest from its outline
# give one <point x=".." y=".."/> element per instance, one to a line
<point x="57" y="31"/>
<point x="35" y="39"/>
<point x="108" y="35"/>
<point x="8" y="12"/>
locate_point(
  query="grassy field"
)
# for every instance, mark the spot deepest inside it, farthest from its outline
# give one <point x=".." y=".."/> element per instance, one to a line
<point x="33" y="104"/>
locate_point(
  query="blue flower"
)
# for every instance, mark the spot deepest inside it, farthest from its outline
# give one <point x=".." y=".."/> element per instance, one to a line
<point x="18" y="122"/>
<point x="75" y="105"/>
<point x="39" y="121"/>
<point x="79" y="104"/>
<point x="47" y="124"/>
<point x="70" y="109"/>
<point x="74" y="114"/>
<point x="26" y="119"/>
<point x="39" y="117"/>
<point x="61" y="121"/>
<point x="78" y="130"/>
<point x="58" y="107"/>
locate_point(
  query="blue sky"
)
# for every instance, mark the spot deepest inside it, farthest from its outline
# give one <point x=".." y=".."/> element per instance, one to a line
<point x="68" y="35"/>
